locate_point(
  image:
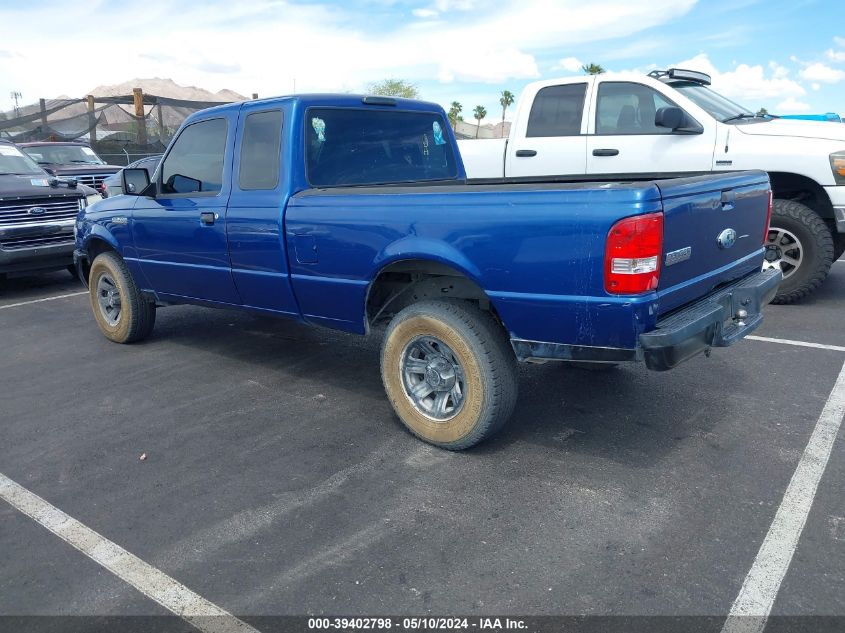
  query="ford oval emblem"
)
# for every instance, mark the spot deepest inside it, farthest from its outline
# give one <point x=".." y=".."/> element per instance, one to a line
<point x="726" y="239"/>
<point x="37" y="211"/>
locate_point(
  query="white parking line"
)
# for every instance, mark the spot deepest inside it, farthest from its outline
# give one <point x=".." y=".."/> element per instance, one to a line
<point x="150" y="581"/>
<point x="26" y="303"/>
<point x="786" y="341"/>
<point x="754" y="603"/>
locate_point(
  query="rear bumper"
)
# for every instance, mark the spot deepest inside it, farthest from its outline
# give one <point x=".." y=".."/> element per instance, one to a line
<point x="714" y="321"/>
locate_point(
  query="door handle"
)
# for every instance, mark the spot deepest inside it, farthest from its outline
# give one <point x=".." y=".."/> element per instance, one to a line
<point x="728" y="197"/>
<point x="526" y="153"/>
<point x="605" y="152"/>
<point x="208" y="217"/>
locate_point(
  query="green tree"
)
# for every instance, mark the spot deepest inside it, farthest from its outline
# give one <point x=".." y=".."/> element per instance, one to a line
<point x="455" y="114"/>
<point x="762" y="112"/>
<point x="592" y="69"/>
<point x="394" y="88"/>
<point x="506" y="100"/>
<point x="479" y="113"/>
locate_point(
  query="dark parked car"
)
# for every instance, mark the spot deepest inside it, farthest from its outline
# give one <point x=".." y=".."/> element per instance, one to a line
<point x="71" y="160"/>
<point x="37" y="214"/>
<point x="113" y="185"/>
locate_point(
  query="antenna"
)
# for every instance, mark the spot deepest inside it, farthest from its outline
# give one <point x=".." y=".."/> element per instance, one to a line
<point x="16" y="95"/>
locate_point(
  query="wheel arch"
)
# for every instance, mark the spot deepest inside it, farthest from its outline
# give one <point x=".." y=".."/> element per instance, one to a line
<point x="792" y="186"/>
<point x="402" y="281"/>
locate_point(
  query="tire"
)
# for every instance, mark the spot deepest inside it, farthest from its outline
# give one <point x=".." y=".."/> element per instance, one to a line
<point x="801" y="245"/>
<point x="838" y="245"/>
<point x="126" y="318"/>
<point x="465" y="353"/>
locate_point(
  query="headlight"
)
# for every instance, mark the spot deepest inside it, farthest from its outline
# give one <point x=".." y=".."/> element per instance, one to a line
<point x="837" y="164"/>
<point x="94" y="197"/>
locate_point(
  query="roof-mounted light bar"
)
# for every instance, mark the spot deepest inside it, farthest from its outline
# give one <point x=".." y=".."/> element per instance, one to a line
<point x="682" y="74"/>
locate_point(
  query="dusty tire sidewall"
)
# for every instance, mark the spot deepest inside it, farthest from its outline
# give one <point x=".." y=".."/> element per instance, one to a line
<point x="465" y="422"/>
<point x="105" y="264"/>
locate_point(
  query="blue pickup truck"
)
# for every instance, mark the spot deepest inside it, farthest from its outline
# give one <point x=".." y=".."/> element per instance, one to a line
<point x="349" y="212"/>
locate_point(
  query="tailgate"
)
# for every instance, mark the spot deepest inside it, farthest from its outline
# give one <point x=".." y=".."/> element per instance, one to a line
<point x="712" y="233"/>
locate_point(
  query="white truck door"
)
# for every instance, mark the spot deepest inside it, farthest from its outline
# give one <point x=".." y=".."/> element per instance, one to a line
<point x="623" y="138"/>
<point x="550" y="135"/>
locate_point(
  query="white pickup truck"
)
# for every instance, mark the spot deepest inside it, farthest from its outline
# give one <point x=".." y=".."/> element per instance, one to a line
<point x="669" y="123"/>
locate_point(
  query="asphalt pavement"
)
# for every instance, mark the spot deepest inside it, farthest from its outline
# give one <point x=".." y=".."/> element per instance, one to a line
<point x="277" y="481"/>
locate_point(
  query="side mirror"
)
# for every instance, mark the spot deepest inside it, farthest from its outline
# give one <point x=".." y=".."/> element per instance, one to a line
<point x="135" y="181"/>
<point x="675" y="119"/>
<point x="178" y="183"/>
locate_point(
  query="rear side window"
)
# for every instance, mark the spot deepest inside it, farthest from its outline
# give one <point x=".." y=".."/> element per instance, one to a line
<point x="260" y="147"/>
<point x="354" y="146"/>
<point x="195" y="163"/>
<point x="628" y="108"/>
<point x="557" y="111"/>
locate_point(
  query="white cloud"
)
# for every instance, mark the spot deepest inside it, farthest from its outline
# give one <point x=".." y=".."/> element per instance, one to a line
<point x="835" y="56"/>
<point x="425" y="13"/>
<point x="569" y="64"/>
<point x="840" y="41"/>
<point x="823" y="73"/>
<point x="792" y="106"/>
<point x="265" y="39"/>
<point x="778" y="71"/>
<point x="747" y="83"/>
<point x="816" y="86"/>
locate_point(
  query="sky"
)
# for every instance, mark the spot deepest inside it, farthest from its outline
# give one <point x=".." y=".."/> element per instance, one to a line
<point x="786" y="56"/>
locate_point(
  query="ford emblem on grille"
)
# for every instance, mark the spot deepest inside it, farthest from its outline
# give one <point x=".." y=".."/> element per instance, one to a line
<point x="37" y="211"/>
<point x="727" y="238"/>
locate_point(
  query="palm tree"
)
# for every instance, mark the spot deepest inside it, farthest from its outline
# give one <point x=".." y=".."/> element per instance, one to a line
<point x="479" y="113"/>
<point x="455" y="114"/>
<point x="592" y="69"/>
<point x="505" y="101"/>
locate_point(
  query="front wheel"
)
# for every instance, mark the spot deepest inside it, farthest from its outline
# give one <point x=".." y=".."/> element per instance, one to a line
<point x="800" y="244"/>
<point x="122" y="312"/>
<point x="449" y="372"/>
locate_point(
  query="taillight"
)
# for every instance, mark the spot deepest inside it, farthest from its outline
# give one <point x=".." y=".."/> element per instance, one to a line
<point x="632" y="255"/>
<point x="768" y="219"/>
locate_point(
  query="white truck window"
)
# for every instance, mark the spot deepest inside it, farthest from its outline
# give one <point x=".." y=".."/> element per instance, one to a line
<point x="557" y="111"/>
<point x="628" y="108"/>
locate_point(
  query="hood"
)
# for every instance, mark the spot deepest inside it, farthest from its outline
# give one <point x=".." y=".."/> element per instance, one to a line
<point x="825" y="130"/>
<point x="33" y="186"/>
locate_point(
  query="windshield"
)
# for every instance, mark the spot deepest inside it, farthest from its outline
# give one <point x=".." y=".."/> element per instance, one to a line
<point x="13" y="161"/>
<point x="717" y="106"/>
<point x="63" y="155"/>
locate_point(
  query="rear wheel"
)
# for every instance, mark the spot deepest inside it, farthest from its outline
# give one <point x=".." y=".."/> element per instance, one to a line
<point x="449" y="372"/>
<point x="800" y="244"/>
<point x="122" y="312"/>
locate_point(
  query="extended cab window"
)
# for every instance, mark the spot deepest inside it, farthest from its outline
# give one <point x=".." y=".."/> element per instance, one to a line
<point x="195" y="163"/>
<point x="260" y="147"/>
<point x="628" y="108"/>
<point x="557" y="111"/>
<point x="356" y="146"/>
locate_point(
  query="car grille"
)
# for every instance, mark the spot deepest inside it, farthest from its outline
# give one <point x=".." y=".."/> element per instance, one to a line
<point x="90" y="180"/>
<point x="54" y="210"/>
<point x="19" y="211"/>
<point x="19" y="243"/>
